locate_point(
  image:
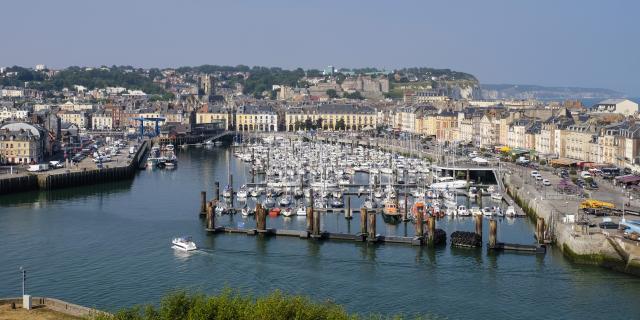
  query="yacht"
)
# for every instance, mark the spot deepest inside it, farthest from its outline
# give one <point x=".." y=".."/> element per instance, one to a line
<point x="183" y="243"/>
<point x="169" y="147"/>
<point x="449" y="183"/>
<point x="242" y="193"/>
<point x="288" y="212"/>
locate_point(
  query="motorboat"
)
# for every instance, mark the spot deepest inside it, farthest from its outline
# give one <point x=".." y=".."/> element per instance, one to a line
<point x="487" y="212"/>
<point x="183" y="243"/>
<point x="511" y="211"/>
<point x="476" y="211"/>
<point x="247" y="212"/>
<point x="255" y="192"/>
<point x="496" y="196"/>
<point x="169" y="147"/>
<point x="462" y="211"/>
<point x="337" y="203"/>
<point x="473" y="191"/>
<point x="287" y="212"/>
<point x="227" y="192"/>
<point x="285" y="201"/>
<point x="301" y="211"/>
<point x="269" y="202"/>
<point x="242" y="193"/>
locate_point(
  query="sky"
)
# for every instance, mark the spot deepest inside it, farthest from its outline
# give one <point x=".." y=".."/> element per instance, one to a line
<point x="585" y="43"/>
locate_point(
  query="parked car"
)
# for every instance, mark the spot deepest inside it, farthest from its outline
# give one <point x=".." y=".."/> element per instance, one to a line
<point x="546" y="182"/>
<point x="608" y="225"/>
<point x="535" y="173"/>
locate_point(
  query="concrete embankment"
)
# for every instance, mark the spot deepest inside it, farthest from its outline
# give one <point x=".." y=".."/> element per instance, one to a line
<point x="57" y="305"/>
<point x="56" y="180"/>
<point x="594" y="247"/>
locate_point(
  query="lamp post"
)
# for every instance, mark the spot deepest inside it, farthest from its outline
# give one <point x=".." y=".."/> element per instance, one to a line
<point x="24" y="278"/>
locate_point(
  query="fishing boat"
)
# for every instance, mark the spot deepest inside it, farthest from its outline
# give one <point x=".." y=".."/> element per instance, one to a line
<point x="390" y="212"/>
<point x="183" y="243"/>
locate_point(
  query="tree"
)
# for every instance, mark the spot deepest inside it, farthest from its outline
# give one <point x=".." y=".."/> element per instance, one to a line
<point x="308" y="124"/>
<point x="319" y="123"/>
<point x="355" y="95"/>
<point x="299" y="125"/>
<point x="332" y="94"/>
<point x="340" y="125"/>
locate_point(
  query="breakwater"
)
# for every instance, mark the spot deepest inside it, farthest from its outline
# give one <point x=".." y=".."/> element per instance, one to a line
<point x="50" y="180"/>
<point x="57" y="305"/>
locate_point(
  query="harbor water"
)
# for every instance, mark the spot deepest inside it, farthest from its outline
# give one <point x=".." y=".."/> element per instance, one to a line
<point x="108" y="246"/>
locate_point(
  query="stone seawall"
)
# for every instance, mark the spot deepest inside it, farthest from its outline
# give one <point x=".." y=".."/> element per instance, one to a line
<point x="51" y="181"/>
<point x="57" y="305"/>
<point x="594" y="248"/>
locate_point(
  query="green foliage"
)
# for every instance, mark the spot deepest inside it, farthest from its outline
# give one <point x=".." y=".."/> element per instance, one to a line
<point x="135" y="79"/>
<point x="355" y="95"/>
<point x="230" y="305"/>
<point x="340" y="124"/>
<point x="332" y="93"/>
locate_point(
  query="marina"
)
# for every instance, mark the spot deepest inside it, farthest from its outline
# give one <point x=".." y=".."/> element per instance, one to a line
<point x="159" y="203"/>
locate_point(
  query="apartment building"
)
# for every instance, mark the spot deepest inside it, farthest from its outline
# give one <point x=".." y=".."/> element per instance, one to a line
<point x="332" y="117"/>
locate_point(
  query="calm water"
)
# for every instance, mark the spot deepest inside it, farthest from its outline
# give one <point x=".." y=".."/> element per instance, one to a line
<point x="108" y="246"/>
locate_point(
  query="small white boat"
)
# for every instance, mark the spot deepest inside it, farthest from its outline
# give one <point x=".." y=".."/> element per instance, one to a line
<point x="242" y="193"/>
<point x="302" y="211"/>
<point x="496" y="196"/>
<point x="487" y="212"/>
<point x="511" y="211"/>
<point x="462" y="211"/>
<point x="183" y="243"/>
<point x="288" y="212"/>
<point x="476" y="211"/>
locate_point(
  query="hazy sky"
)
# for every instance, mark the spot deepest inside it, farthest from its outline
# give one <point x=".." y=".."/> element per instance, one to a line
<point x="548" y="42"/>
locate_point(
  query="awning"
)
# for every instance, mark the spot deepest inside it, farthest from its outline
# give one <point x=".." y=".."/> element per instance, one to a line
<point x="628" y="179"/>
<point x="517" y="152"/>
<point x="563" y="162"/>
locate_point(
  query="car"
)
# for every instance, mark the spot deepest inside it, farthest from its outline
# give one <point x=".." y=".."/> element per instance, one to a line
<point x="608" y="225"/>
<point x="539" y="178"/>
<point x="535" y="173"/>
<point x="546" y="182"/>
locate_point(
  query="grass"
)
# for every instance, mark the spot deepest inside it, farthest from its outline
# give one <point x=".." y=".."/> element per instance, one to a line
<point x="230" y="305"/>
<point x="6" y="313"/>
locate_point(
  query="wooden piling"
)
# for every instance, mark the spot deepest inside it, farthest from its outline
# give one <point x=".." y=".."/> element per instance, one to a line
<point x="217" y="190"/>
<point x="203" y="202"/>
<point x="363" y="220"/>
<point x="406" y="207"/>
<point x="431" y="236"/>
<point x="372" y="226"/>
<point x="493" y="233"/>
<point x="316" y="224"/>
<point x="310" y="213"/>
<point x="419" y="226"/>
<point x="478" y="225"/>
<point x="211" y="209"/>
<point x="261" y="218"/>
<point x="347" y="210"/>
<point x="540" y="230"/>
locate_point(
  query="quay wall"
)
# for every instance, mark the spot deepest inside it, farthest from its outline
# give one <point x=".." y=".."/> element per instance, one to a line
<point x="594" y="248"/>
<point x="57" y="305"/>
<point x="51" y="181"/>
<point x="18" y="184"/>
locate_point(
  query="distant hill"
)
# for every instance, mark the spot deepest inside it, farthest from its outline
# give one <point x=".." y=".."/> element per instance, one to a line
<point x="514" y="91"/>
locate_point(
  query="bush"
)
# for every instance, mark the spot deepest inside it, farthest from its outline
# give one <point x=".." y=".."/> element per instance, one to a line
<point x="232" y="305"/>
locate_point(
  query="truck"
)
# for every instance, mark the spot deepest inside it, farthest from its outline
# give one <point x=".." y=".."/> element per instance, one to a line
<point x="132" y="150"/>
<point x="522" y="160"/>
<point x="38" y="167"/>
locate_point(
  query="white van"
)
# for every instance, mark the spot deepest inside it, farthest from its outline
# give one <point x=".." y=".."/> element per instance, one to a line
<point x="585" y="175"/>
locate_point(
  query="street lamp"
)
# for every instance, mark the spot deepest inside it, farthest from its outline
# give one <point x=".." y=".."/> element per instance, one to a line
<point x="24" y="278"/>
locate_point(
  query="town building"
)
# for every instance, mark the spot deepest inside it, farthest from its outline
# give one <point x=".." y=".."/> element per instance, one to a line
<point x="256" y="118"/>
<point x="622" y="106"/>
<point x="21" y="143"/>
<point x="332" y="117"/>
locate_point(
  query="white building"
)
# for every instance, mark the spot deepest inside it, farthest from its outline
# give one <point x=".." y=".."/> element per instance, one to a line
<point x="622" y="106"/>
<point x="13" y="113"/>
<point x="12" y="93"/>
<point x="102" y="121"/>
